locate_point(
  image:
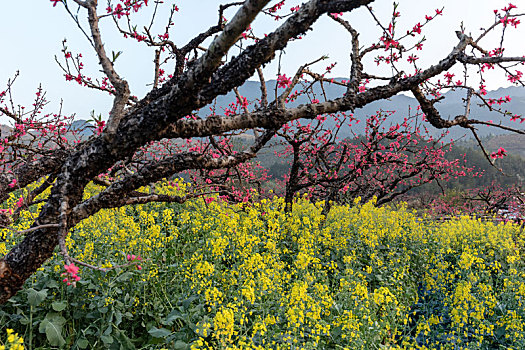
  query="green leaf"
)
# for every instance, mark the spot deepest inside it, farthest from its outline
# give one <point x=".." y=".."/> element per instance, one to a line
<point x="52" y="284"/>
<point x="107" y="339"/>
<point x="35" y="298"/>
<point x="83" y="343"/>
<point x="186" y="303"/>
<point x="125" y="342"/>
<point x="108" y="330"/>
<point x="118" y="318"/>
<point x="115" y="55"/>
<point x="124" y="277"/>
<point x="159" y="332"/>
<point x="52" y="326"/>
<point x="174" y="316"/>
<point x="180" y="345"/>
<point x="59" y="305"/>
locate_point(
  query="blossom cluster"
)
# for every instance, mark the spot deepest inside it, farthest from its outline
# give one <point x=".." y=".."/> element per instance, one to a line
<point x="14" y="342"/>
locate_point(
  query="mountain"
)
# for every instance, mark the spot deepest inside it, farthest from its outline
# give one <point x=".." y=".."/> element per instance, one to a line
<point x="4" y="130"/>
<point x="83" y="127"/>
<point x="512" y="143"/>
<point x="449" y="107"/>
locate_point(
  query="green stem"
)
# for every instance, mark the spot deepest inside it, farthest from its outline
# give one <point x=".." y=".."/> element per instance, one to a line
<point x="31" y="327"/>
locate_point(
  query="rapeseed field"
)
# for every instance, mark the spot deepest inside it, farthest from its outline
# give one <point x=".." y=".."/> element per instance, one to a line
<point x="211" y="275"/>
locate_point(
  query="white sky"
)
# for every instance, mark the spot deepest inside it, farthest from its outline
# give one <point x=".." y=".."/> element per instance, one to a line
<point x="32" y="34"/>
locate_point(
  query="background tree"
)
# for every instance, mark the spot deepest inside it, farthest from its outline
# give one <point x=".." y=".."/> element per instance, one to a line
<point x="385" y="162"/>
<point x="490" y="201"/>
<point x="36" y="148"/>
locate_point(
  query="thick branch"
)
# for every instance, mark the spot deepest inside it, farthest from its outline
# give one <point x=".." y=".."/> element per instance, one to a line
<point x="158" y="170"/>
<point x="121" y="86"/>
<point x="490" y="60"/>
<point x="30" y="172"/>
<point x="244" y="65"/>
<point x="357" y="65"/>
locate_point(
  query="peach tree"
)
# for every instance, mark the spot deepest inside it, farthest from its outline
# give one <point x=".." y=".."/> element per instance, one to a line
<point x="120" y="154"/>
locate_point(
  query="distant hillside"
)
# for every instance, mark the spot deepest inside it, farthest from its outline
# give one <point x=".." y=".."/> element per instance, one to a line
<point x="4" y="130"/>
<point x="83" y="128"/>
<point x="513" y="143"/>
<point x="449" y="107"/>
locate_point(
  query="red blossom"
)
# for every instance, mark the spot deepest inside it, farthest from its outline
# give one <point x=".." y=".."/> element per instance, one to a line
<point x="12" y="184"/>
<point x="514" y="78"/>
<point x="499" y="154"/>
<point x="389" y="42"/>
<point x="482" y="89"/>
<point x="276" y="7"/>
<point x="509" y="7"/>
<point x="283" y="81"/>
<point x="449" y="77"/>
<point x="417" y="28"/>
<point x="71" y="276"/>
<point x="412" y="58"/>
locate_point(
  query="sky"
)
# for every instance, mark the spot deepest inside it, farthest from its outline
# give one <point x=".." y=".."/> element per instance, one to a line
<point x="33" y="31"/>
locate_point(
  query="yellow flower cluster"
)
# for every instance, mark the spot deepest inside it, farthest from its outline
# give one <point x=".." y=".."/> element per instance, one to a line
<point x="364" y="278"/>
<point x="14" y="342"/>
<point x="358" y="279"/>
